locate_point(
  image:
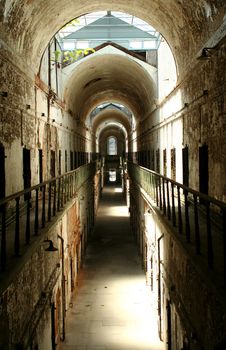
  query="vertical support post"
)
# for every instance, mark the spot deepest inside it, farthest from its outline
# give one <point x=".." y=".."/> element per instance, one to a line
<point x="187" y="222"/>
<point x="59" y="195"/>
<point x="17" y="228"/>
<point x="173" y="204"/>
<point x="28" y="226"/>
<point x="3" y="240"/>
<point x="43" y="205"/>
<point x="196" y="218"/>
<point x="54" y="197"/>
<point x="180" y="223"/>
<point x="36" y="211"/>
<point x="160" y="192"/>
<point x="209" y="236"/>
<point x="168" y="200"/>
<point x="164" y="196"/>
<point x="49" y="201"/>
<point x="224" y="244"/>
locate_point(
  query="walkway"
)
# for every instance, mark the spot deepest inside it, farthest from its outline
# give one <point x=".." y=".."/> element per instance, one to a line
<point x="112" y="309"/>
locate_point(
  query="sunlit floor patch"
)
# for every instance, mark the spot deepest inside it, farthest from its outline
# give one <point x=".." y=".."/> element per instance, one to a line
<point x="118" y="190"/>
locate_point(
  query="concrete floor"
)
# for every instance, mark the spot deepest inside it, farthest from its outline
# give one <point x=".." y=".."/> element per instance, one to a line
<point x="112" y="309"/>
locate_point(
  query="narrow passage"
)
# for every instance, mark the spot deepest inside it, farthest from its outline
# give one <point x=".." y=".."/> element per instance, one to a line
<point x="112" y="309"/>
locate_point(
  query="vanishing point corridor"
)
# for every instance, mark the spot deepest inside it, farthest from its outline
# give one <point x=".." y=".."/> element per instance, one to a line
<point x="112" y="308"/>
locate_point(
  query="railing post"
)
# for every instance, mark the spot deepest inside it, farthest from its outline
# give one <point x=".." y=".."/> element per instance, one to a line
<point x="54" y="198"/>
<point x="168" y="200"/>
<point x="17" y="228"/>
<point x="62" y="191"/>
<point x="3" y="240"/>
<point x="160" y="192"/>
<point x="224" y="243"/>
<point x="187" y="222"/>
<point x="59" y="195"/>
<point x="49" y="201"/>
<point x="43" y="205"/>
<point x="197" y="233"/>
<point x="180" y="223"/>
<point x="164" y="196"/>
<point x="173" y="204"/>
<point x="28" y="230"/>
<point x="36" y="211"/>
<point x="209" y="236"/>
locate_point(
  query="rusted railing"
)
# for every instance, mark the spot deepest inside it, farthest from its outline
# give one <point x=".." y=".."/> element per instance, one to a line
<point x="200" y="219"/>
<point x="24" y="214"/>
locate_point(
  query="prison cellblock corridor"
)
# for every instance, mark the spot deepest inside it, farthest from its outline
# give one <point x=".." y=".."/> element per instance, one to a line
<point x="113" y="307"/>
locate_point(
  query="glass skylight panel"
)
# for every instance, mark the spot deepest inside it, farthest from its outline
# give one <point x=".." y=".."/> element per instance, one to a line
<point x="68" y="45"/>
<point x="82" y="45"/>
<point x="100" y="33"/>
<point x="150" y="44"/>
<point x="136" y="45"/>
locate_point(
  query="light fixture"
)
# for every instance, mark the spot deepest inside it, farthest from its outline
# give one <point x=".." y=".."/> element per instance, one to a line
<point x="43" y="114"/>
<point x="28" y="106"/>
<point x="51" y="247"/>
<point x="206" y="53"/>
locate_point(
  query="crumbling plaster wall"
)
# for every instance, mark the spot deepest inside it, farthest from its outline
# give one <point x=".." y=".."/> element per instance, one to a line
<point x="194" y="113"/>
<point x="33" y="117"/>
<point x="197" y="305"/>
<point x="38" y="283"/>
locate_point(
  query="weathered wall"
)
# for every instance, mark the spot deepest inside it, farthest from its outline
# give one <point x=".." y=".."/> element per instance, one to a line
<point x="32" y="116"/>
<point x="192" y="115"/>
<point x="47" y="279"/>
<point x="179" y="284"/>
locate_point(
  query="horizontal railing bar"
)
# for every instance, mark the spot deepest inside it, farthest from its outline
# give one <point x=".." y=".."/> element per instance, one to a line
<point x="199" y="218"/>
<point x="30" y="189"/>
<point x="185" y="188"/>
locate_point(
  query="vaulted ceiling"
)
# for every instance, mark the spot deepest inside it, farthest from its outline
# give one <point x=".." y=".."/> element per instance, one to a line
<point x="107" y="78"/>
<point x="27" y="26"/>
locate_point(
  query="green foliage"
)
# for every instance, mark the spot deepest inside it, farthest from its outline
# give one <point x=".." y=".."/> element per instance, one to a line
<point x="73" y="23"/>
<point x="67" y="57"/>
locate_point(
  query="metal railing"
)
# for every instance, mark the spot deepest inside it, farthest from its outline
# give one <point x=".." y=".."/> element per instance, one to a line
<point x="25" y="213"/>
<point x="197" y="217"/>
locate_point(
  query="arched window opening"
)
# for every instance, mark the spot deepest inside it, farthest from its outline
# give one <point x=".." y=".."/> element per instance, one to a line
<point x="112" y="146"/>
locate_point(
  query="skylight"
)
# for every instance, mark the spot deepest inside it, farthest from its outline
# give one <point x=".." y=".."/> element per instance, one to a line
<point x="98" y="27"/>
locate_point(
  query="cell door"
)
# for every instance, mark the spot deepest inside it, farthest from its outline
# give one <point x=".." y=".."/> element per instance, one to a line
<point x="53" y="164"/>
<point x="203" y="169"/>
<point x="185" y="160"/>
<point x="2" y="172"/>
<point x="27" y="168"/>
<point x="40" y="154"/>
<point x="71" y="160"/>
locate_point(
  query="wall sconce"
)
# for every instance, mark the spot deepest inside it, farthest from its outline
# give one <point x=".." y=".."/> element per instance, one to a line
<point x="43" y="114"/>
<point x="206" y="53"/>
<point x="186" y="105"/>
<point x="51" y="247"/>
<point x="53" y="120"/>
<point x="4" y="94"/>
<point x="28" y="106"/>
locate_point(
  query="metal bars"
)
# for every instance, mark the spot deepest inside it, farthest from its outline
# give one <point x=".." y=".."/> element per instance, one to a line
<point x="30" y="210"/>
<point x="199" y="218"/>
